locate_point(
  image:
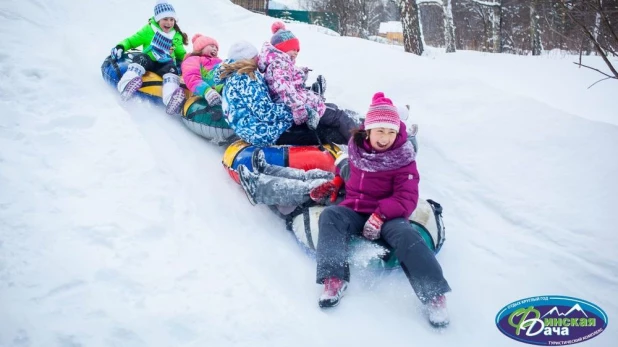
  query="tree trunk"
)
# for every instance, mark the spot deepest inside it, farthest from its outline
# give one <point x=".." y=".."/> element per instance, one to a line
<point x="410" y="21"/>
<point x="597" y="26"/>
<point x="496" y="26"/>
<point x="535" y="32"/>
<point x="449" y="27"/>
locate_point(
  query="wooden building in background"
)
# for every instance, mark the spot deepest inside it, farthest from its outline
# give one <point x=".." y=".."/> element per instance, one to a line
<point x="260" y="6"/>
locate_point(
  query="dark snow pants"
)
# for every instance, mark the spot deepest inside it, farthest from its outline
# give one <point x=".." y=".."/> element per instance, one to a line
<point x="335" y="126"/>
<point x="339" y="223"/>
<point x="154" y="66"/>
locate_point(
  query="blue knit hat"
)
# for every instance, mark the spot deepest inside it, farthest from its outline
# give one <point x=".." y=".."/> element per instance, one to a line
<point x="163" y="9"/>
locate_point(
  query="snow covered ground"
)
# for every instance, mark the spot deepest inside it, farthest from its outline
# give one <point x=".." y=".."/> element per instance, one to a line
<point x="119" y="227"/>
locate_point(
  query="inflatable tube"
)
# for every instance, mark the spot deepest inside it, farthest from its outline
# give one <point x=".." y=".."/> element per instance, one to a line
<point x="202" y="119"/>
<point x="207" y="121"/>
<point x="426" y="220"/>
<point x="303" y="221"/>
<point x="299" y="157"/>
<point x="151" y="90"/>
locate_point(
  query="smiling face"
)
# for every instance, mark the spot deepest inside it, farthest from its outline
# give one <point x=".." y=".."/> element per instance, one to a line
<point x="382" y="139"/>
<point x="210" y="51"/>
<point x="167" y="24"/>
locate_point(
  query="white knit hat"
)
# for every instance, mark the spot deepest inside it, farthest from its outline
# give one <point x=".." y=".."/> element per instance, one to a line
<point x="403" y="110"/>
<point x="242" y="50"/>
<point x="163" y="9"/>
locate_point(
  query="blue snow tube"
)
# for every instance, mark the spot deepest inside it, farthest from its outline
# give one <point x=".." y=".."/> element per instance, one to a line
<point x="151" y="90"/>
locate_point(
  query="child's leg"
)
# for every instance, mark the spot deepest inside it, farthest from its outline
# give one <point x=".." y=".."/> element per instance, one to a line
<point x="258" y="161"/>
<point x="337" y="225"/>
<point x="335" y="118"/>
<point x="173" y="96"/>
<point x="272" y="190"/>
<point x="419" y="263"/>
<point x="141" y="63"/>
<point x="297" y="174"/>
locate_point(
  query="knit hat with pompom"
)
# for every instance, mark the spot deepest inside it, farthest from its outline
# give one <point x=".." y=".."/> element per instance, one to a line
<point x="382" y="113"/>
<point x="200" y="42"/>
<point x="283" y="39"/>
<point x="163" y="10"/>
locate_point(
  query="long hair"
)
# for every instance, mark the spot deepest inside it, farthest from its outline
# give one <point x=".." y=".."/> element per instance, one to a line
<point x="185" y="40"/>
<point x="244" y="66"/>
<point x="359" y="136"/>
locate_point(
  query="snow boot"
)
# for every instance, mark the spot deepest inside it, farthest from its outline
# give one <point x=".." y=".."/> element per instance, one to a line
<point x="173" y="95"/>
<point x="258" y="160"/>
<point x="248" y="181"/>
<point x="437" y="312"/>
<point x="131" y="81"/>
<point x="333" y="292"/>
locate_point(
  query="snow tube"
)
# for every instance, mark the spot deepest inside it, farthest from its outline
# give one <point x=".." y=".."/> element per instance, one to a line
<point x="426" y="220"/>
<point x="201" y="118"/>
<point x="151" y="90"/>
<point x="303" y="221"/>
<point x="299" y="157"/>
<point x="207" y="121"/>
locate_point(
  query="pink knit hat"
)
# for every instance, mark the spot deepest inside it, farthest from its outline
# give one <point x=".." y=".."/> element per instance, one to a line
<point x="382" y="113"/>
<point x="200" y="42"/>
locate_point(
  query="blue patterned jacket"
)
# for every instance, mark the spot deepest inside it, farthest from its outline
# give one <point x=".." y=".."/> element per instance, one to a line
<point x="249" y="109"/>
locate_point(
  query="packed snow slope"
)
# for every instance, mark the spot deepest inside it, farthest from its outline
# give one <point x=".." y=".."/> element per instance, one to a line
<point x="119" y="227"/>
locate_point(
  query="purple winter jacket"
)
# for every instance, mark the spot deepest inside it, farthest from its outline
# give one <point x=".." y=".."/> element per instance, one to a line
<point x="386" y="182"/>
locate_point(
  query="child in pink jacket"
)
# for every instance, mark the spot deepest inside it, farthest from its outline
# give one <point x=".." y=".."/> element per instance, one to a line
<point x="286" y="84"/>
<point x="198" y="66"/>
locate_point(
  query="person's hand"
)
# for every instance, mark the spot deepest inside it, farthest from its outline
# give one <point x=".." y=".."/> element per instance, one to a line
<point x="313" y="118"/>
<point x="328" y="189"/>
<point x="212" y="97"/>
<point x="373" y="227"/>
<point x="116" y="52"/>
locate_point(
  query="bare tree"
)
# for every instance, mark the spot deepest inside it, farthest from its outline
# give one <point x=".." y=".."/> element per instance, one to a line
<point x="535" y="31"/>
<point x="411" y="24"/>
<point x="447" y="17"/>
<point x="494" y="21"/>
<point x="578" y="10"/>
<point x="449" y="27"/>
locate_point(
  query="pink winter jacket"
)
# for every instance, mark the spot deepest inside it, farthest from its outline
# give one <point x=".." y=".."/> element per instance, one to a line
<point x="197" y="72"/>
<point x="286" y="83"/>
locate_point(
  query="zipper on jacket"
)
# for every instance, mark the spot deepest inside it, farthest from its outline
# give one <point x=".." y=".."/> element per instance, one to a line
<point x="360" y="188"/>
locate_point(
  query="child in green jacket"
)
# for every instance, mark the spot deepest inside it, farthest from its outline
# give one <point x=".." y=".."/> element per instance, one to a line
<point x="163" y="44"/>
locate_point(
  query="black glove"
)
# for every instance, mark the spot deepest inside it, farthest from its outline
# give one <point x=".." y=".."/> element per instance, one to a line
<point x="116" y="52"/>
<point x="319" y="86"/>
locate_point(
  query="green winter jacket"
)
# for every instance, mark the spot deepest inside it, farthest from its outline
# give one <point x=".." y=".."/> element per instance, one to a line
<point x="145" y="35"/>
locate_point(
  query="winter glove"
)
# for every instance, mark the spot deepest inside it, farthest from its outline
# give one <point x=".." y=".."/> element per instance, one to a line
<point x="212" y="97"/>
<point x="117" y="52"/>
<point x="319" y="86"/>
<point x="313" y="118"/>
<point x="330" y="189"/>
<point x="373" y="226"/>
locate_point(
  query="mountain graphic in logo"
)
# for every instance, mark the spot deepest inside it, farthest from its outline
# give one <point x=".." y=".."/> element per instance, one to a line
<point x="555" y="310"/>
<point x="551" y="320"/>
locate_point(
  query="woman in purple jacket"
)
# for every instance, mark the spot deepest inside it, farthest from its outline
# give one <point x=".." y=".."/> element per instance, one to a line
<point x="381" y="193"/>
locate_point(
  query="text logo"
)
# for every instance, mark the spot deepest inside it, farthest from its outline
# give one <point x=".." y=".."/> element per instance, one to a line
<point x="551" y="320"/>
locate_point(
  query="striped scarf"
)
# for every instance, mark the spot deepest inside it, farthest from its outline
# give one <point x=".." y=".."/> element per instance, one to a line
<point x="161" y="44"/>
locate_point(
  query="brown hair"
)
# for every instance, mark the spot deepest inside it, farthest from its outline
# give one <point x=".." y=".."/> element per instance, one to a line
<point x="185" y="40"/>
<point x="244" y="66"/>
<point x="359" y="135"/>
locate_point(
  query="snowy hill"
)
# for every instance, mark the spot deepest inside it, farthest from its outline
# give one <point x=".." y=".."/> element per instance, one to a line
<point x="119" y="227"/>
